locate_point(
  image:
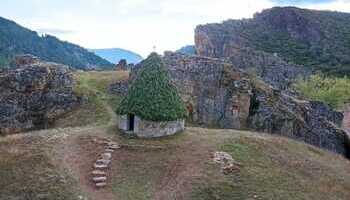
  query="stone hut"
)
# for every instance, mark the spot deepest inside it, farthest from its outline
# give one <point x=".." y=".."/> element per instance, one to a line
<point x="152" y="107"/>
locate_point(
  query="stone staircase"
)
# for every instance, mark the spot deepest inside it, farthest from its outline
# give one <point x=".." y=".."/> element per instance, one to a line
<point x="102" y="164"/>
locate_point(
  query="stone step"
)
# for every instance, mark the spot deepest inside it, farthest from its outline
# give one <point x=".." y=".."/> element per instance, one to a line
<point x="99" y="179"/>
<point x="98" y="172"/>
<point x="114" y="147"/>
<point x="109" y="150"/>
<point x="101" y="184"/>
<point x="103" y="162"/>
<point x="106" y="156"/>
<point x="100" y="166"/>
<point x="111" y="143"/>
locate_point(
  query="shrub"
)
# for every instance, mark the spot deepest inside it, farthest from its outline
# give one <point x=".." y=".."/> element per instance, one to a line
<point x="331" y="90"/>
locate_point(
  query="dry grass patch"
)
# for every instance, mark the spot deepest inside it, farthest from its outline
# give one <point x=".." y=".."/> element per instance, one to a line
<point x="27" y="172"/>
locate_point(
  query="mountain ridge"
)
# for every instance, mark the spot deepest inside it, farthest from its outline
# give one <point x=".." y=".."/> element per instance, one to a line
<point x="16" y="39"/>
<point x="114" y="55"/>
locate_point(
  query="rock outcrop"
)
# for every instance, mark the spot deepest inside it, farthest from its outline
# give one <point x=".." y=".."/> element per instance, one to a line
<point x="33" y="94"/>
<point x="218" y="94"/>
<point x="312" y="122"/>
<point x="210" y="42"/>
<point x="122" y="65"/>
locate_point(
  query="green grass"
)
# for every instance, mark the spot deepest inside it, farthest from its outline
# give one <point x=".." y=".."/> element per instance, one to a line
<point x="330" y="90"/>
<point x="276" y="168"/>
<point x="93" y="86"/>
<point x="272" y="168"/>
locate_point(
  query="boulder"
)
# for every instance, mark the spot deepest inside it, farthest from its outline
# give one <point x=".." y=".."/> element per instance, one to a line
<point x="33" y="94"/>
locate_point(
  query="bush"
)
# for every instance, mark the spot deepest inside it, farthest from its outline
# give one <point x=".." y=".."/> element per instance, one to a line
<point x="331" y="90"/>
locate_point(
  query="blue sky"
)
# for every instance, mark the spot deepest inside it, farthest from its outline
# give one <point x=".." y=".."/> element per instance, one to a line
<point x="138" y="25"/>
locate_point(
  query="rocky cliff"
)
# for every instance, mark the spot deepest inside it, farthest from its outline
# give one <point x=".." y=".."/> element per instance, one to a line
<point x="218" y="94"/>
<point x="33" y="94"/>
<point x="280" y="38"/>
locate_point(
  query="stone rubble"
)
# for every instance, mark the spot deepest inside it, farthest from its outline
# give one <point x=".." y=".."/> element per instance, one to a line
<point x="228" y="164"/>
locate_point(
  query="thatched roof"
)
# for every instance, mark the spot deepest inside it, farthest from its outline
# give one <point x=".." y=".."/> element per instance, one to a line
<point x="151" y="95"/>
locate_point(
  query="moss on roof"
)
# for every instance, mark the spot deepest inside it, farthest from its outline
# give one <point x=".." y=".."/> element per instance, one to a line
<point x="151" y="95"/>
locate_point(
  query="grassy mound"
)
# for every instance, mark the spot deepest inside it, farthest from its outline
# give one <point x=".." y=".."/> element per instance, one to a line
<point x="272" y="168"/>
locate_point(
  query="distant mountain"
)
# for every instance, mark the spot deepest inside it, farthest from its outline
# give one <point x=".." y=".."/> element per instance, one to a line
<point x="188" y="50"/>
<point x="15" y="39"/>
<point x="114" y="55"/>
<point x="319" y="40"/>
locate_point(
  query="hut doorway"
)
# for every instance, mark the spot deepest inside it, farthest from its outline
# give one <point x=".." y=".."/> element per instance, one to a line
<point x="131" y="122"/>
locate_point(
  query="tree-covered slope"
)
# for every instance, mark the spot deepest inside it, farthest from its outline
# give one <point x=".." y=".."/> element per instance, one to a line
<point x="317" y="39"/>
<point x="15" y="39"/>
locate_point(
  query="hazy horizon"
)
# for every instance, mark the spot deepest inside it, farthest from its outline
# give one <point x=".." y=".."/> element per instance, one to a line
<point x="138" y="25"/>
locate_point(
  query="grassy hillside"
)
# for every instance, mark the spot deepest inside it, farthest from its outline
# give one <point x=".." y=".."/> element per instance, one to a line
<point x="56" y="163"/>
<point x="15" y="39"/>
<point x="94" y="112"/>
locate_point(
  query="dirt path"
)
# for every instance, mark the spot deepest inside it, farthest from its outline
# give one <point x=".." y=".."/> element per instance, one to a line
<point x="80" y="152"/>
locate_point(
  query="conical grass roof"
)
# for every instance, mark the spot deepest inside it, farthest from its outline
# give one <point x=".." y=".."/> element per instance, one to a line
<point x="151" y="95"/>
